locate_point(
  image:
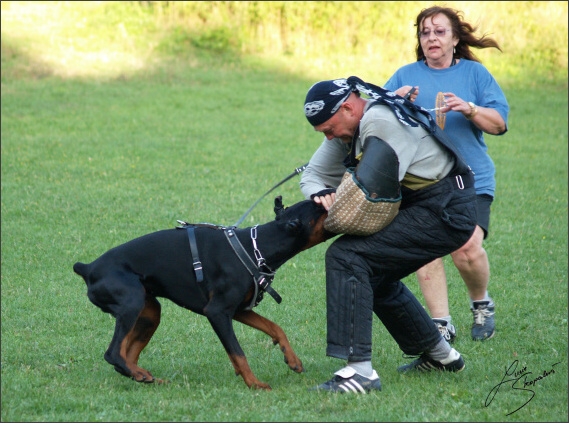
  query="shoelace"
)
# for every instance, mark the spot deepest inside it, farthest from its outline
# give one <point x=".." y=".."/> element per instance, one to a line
<point x="444" y="332"/>
<point x="480" y="315"/>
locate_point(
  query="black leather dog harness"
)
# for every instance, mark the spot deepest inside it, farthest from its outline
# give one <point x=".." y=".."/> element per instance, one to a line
<point x="262" y="279"/>
<point x="262" y="275"/>
<point x="198" y="268"/>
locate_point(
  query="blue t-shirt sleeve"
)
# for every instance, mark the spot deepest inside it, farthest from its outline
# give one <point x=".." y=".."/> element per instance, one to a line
<point x="489" y="94"/>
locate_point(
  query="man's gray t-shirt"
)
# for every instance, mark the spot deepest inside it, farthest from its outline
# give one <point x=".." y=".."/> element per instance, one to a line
<point x="419" y="154"/>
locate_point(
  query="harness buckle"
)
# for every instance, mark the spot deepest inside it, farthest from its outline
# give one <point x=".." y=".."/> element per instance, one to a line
<point x="459" y="181"/>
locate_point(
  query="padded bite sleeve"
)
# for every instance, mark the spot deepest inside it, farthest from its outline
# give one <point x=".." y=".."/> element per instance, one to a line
<point x="378" y="169"/>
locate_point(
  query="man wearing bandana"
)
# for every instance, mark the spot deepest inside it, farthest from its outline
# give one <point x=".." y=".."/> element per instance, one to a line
<point x="409" y="160"/>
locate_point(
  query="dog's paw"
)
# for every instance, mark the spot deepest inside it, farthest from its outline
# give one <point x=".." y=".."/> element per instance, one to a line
<point x="262" y="386"/>
<point x="144" y="379"/>
<point x="143" y="376"/>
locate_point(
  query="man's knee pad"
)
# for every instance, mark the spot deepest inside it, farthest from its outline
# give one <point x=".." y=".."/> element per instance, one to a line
<point x="378" y="170"/>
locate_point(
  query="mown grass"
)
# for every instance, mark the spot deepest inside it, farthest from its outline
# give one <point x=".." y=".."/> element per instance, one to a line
<point x="88" y="163"/>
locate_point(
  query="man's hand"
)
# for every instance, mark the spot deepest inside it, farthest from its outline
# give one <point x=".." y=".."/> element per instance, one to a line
<point x="326" y="197"/>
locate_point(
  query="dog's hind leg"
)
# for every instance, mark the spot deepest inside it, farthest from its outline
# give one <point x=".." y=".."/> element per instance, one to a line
<point x="137" y="339"/>
<point x="137" y="317"/>
<point x="250" y="318"/>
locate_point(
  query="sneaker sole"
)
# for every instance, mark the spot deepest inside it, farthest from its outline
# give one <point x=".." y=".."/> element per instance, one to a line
<point x="349" y="385"/>
<point x="457" y="371"/>
<point x="484" y="339"/>
<point x="347" y="388"/>
<point x="431" y="370"/>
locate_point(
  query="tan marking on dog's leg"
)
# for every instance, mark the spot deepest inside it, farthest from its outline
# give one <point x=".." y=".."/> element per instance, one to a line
<point x="137" y="339"/>
<point x="250" y="318"/>
<point x="242" y="369"/>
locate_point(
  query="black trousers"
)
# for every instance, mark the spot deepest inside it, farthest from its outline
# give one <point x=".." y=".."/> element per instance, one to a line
<point x="363" y="273"/>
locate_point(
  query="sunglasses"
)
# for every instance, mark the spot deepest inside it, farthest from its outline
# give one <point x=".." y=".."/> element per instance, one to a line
<point x="439" y="32"/>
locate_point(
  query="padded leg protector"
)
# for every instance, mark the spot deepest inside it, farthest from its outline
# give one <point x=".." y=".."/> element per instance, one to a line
<point x="349" y="301"/>
<point x="404" y="317"/>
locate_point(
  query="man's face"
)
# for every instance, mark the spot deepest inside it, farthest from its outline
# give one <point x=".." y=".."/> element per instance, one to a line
<point x="341" y="125"/>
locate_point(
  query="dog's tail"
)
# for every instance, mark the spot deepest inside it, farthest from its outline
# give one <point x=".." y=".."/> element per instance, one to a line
<point x="80" y="269"/>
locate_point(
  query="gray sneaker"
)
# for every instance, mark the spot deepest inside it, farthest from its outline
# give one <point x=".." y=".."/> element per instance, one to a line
<point x="483" y="326"/>
<point x="347" y="380"/>
<point x="446" y="329"/>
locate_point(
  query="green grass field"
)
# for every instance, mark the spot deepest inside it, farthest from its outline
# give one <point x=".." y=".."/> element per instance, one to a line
<point x="89" y="163"/>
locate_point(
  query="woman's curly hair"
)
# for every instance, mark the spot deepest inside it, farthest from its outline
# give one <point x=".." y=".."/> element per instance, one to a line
<point x="460" y="29"/>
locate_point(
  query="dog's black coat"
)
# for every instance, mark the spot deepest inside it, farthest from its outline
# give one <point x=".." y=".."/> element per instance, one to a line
<point x="126" y="280"/>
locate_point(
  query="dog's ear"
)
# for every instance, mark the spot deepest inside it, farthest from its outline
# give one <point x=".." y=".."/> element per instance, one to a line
<point x="279" y="208"/>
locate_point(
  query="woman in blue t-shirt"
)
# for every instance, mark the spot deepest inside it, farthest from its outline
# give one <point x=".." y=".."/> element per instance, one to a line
<point x="474" y="104"/>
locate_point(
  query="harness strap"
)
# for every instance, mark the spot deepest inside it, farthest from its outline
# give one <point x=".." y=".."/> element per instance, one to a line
<point x="195" y="257"/>
<point x="240" y="251"/>
<point x="198" y="268"/>
<point x="261" y="280"/>
<point x="265" y="284"/>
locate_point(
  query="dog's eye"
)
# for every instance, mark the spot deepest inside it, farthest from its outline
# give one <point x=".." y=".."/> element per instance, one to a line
<point x="293" y="225"/>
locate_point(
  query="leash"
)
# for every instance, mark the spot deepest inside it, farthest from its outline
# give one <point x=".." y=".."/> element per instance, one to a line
<point x="297" y="171"/>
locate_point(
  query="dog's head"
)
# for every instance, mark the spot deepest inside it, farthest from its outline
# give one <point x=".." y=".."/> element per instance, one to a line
<point x="304" y="218"/>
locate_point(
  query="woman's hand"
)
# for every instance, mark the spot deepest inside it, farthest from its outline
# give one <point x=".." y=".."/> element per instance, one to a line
<point x="405" y="90"/>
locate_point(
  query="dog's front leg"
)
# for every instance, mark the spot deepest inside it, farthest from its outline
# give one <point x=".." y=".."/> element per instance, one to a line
<point x="250" y="318"/>
<point x="223" y="327"/>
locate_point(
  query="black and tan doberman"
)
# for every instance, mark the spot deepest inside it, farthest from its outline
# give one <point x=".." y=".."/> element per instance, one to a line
<point x="223" y="279"/>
